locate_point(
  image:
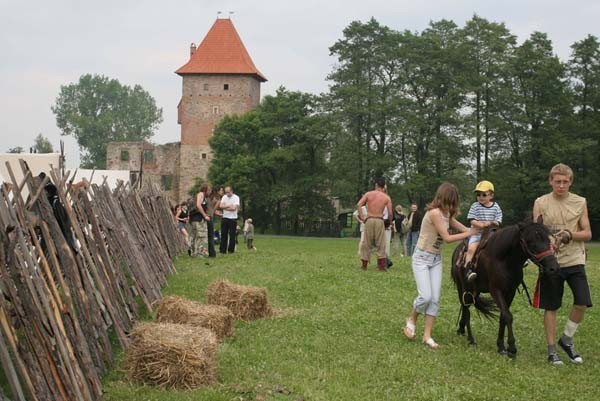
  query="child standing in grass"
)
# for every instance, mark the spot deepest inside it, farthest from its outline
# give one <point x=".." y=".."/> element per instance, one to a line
<point x="427" y="258"/>
<point x="250" y="235"/>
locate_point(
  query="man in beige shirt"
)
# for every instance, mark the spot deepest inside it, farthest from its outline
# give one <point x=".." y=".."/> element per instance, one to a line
<point x="376" y="202"/>
<point x="566" y="215"/>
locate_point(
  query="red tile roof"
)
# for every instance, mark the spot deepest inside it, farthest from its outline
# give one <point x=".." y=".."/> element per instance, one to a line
<point x="221" y="52"/>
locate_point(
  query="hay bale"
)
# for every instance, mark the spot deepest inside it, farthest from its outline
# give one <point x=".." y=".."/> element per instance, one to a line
<point x="219" y="319"/>
<point x="246" y="302"/>
<point x="171" y="355"/>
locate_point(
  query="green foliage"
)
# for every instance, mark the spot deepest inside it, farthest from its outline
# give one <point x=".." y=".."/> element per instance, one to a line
<point x="16" y="149"/>
<point x="275" y="158"/>
<point x="338" y="335"/>
<point x="41" y="144"/>
<point x="462" y="104"/>
<point x="584" y="71"/>
<point x="98" y="110"/>
<point x="362" y="100"/>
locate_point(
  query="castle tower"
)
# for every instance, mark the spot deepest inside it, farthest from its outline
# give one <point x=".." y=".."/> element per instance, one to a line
<point x="219" y="79"/>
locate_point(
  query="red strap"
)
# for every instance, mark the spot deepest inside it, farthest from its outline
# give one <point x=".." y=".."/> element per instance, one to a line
<point x="536" y="295"/>
<point x="543" y="254"/>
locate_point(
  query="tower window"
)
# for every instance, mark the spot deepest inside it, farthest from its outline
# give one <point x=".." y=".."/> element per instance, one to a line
<point x="205" y="87"/>
<point x="215" y="109"/>
<point x="148" y="156"/>
<point x="167" y="182"/>
<point x="226" y="87"/>
<point x="124" y="155"/>
<point x="203" y="155"/>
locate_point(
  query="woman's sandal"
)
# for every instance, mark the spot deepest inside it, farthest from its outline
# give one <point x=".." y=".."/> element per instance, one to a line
<point x="431" y="343"/>
<point x="410" y="330"/>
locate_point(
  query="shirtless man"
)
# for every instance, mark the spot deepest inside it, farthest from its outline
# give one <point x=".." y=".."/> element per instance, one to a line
<point x="376" y="201"/>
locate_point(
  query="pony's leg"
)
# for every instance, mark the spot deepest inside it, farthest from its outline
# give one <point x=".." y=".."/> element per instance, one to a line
<point x="467" y="315"/>
<point x="512" y="347"/>
<point x="504" y="321"/>
<point x="465" y="323"/>
<point x="500" y="339"/>
<point x="462" y="322"/>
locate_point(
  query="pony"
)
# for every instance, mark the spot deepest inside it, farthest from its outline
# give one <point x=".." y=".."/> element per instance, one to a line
<point x="499" y="265"/>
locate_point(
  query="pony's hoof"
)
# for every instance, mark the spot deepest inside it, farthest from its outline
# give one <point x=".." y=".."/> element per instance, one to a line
<point x="472" y="343"/>
<point x="512" y="355"/>
<point x="502" y="352"/>
<point x="460" y="332"/>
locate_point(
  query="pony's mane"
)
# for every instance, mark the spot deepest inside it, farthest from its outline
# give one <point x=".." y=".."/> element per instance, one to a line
<point x="504" y="238"/>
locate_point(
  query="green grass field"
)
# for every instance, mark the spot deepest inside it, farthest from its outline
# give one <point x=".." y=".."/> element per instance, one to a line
<point x="339" y="336"/>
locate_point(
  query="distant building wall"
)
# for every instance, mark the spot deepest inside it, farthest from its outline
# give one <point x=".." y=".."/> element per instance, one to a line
<point x="157" y="164"/>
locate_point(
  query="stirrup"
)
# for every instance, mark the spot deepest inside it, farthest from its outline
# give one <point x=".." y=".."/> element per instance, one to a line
<point x="464" y="302"/>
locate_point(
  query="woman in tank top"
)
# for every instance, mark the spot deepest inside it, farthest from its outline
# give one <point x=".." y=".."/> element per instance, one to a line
<point x="427" y="258"/>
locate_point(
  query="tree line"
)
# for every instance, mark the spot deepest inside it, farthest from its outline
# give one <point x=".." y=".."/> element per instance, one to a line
<point x="41" y="144"/>
<point x="450" y="103"/>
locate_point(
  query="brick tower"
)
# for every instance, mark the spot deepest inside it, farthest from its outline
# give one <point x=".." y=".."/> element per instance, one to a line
<point x="219" y="79"/>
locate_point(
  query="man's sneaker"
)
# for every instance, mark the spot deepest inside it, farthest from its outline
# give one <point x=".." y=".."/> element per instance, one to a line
<point x="471" y="276"/>
<point x="554" y="359"/>
<point x="570" y="350"/>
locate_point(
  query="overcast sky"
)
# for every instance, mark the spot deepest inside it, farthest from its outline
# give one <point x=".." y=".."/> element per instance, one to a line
<point x="46" y="44"/>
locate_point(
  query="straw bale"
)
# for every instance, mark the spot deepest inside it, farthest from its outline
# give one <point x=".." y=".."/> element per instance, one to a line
<point x="246" y="302"/>
<point x="171" y="355"/>
<point x="173" y="309"/>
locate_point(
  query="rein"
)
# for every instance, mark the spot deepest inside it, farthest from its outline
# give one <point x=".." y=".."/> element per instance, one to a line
<point x="537" y="257"/>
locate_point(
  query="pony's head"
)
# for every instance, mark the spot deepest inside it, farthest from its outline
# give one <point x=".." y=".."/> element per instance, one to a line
<point x="536" y="241"/>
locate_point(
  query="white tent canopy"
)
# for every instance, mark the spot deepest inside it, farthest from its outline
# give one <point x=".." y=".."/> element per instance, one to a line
<point x="37" y="163"/>
<point x="112" y="176"/>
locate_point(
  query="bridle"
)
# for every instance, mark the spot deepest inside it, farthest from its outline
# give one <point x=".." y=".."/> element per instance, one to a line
<point x="537" y="257"/>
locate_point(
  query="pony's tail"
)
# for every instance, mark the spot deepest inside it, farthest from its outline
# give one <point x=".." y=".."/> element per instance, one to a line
<point x="486" y="306"/>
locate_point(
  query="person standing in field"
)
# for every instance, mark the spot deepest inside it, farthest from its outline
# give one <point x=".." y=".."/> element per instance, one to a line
<point x="216" y="196"/>
<point x="230" y="204"/>
<point x="376" y="202"/>
<point x="181" y="215"/>
<point x="250" y="235"/>
<point x="388" y="222"/>
<point x="363" y="214"/>
<point x="415" y="217"/>
<point x="399" y="234"/>
<point x="566" y="215"/>
<point x="427" y="258"/>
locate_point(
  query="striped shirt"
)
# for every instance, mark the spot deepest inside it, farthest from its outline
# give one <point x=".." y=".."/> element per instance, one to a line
<point x="480" y="212"/>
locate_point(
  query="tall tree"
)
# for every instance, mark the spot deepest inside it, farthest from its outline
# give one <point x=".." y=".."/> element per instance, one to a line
<point x="98" y="110"/>
<point x="275" y="156"/>
<point x="584" y="72"/>
<point x="431" y="97"/>
<point x="488" y="48"/>
<point x="536" y="115"/>
<point x="41" y="144"/>
<point x="364" y="99"/>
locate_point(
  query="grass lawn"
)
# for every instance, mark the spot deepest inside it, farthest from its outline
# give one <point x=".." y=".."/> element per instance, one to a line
<point x="339" y="336"/>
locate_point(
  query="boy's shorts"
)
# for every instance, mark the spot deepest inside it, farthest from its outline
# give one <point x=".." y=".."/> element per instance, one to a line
<point x="475" y="238"/>
<point x="550" y="288"/>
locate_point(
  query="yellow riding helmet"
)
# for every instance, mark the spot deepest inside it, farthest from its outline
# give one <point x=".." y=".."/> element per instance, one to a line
<point x="484" y="186"/>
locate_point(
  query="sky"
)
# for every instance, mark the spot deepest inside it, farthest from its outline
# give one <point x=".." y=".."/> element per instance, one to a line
<point x="46" y="44"/>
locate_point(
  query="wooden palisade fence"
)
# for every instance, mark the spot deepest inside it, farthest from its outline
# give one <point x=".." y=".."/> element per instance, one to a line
<point x="74" y="261"/>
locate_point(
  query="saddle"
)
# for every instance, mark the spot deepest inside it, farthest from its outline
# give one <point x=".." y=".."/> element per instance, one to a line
<point x="485" y="235"/>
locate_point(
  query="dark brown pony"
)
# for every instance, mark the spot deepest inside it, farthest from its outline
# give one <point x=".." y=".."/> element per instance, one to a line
<point x="499" y="270"/>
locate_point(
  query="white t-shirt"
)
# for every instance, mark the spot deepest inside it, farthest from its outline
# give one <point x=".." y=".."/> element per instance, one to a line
<point x="228" y="201"/>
